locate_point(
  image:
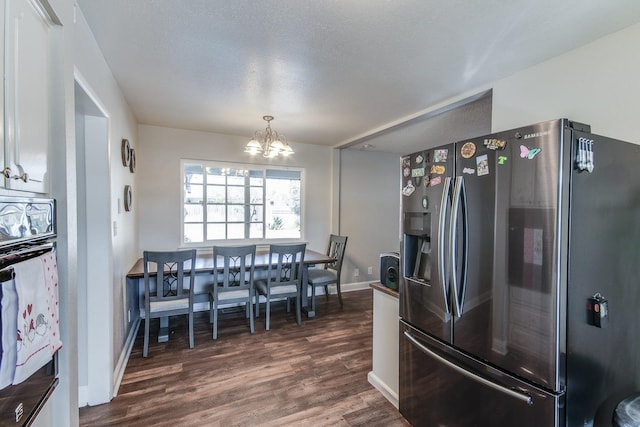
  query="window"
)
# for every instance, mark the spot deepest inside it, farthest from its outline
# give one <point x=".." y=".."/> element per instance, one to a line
<point x="229" y="201"/>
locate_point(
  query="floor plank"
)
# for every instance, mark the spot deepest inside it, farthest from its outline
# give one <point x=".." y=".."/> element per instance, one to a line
<point x="314" y="374"/>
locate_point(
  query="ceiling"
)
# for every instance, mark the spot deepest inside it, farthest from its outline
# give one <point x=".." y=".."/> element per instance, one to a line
<point x="332" y="72"/>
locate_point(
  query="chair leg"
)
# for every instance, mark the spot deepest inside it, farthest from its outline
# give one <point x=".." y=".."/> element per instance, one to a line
<point x="288" y="305"/>
<point x="257" y="300"/>
<point x="326" y="292"/>
<point x="268" y="311"/>
<point x="215" y="322"/>
<point x="339" y="292"/>
<point x="191" y="342"/>
<point x="210" y="309"/>
<point x="250" y="305"/>
<point x="145" y="349"/>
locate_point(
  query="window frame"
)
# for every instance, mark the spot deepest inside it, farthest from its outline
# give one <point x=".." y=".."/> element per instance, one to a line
<point x="249" y="166"/>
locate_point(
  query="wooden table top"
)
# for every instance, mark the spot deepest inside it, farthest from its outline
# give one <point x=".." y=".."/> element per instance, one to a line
<point x="204" y="262"/>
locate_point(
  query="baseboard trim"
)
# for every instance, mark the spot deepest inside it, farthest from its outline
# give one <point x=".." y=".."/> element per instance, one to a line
<point x="124" y="356"/>
<point x="384" y="389"/>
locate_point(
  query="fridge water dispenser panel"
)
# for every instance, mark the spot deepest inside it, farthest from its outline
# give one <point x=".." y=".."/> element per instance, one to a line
<point x="417" y="224"/>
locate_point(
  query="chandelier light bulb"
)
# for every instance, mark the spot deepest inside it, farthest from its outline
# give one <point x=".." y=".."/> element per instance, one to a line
<point x="268" y="142"/>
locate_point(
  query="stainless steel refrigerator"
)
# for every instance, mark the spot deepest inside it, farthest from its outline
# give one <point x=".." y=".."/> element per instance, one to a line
<point x="520" y="287"/>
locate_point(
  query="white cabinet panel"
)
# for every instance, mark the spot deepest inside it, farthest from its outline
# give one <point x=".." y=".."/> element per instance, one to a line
<point x="27" y="94"/>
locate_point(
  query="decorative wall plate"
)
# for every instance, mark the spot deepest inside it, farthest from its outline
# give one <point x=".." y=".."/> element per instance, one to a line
<point x="126" y="152"/>
<point x="132" y="160"/>
<point x="128" y="198"/>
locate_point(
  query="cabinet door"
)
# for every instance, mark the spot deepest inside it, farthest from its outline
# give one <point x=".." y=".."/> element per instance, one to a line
<point x="27" y="94"/>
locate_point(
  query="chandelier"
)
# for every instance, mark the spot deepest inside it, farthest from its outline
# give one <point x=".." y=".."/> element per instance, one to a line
<point x="268" y="142"/>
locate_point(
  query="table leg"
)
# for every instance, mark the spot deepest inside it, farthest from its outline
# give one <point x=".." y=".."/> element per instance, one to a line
<point x="310" y="312"/>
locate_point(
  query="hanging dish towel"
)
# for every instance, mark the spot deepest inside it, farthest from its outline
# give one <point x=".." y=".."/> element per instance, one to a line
<point x="50" y="268"/>
<point x="9" y="328"/>
<point x="33" y="340"/>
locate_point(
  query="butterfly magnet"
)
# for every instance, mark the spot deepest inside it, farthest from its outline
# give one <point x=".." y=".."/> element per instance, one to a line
<point x="529" y="153"/>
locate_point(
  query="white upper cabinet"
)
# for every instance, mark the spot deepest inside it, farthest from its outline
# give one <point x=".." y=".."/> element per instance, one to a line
<point x="27" y="94"/>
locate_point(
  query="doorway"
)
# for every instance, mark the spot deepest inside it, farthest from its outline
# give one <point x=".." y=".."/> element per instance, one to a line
<point x="95" y="265"/>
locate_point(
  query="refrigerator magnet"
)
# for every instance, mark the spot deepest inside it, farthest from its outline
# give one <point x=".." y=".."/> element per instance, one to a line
<point x="468" y="150"/>
<point x="529" y="153"/>
<point x="417" y="172"/>
<point x="425" y="202"/>
<point x="502" y="160"/>
<point x="435" y="181"/>
<point x="495" y="144"/>
<point x="438" y="169"/>
<point x="469" y="171"/>
<point x="406" y="172"/>
<point x="426" y="181"/>
<point x="408" y="189"/>
<point x="419" y="159"/>
<point x="440" y="155"/>
<point x="482" y="163"/>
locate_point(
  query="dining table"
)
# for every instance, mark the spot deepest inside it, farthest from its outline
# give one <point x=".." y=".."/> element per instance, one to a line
<point x="204" y="279"/>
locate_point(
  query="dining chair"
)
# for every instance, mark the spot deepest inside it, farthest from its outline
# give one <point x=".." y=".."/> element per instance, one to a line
<point x="233" y="272"/>
<point x="330" y="273"/>
<point x="173" y="293"/>
<point x="284" y="278"/>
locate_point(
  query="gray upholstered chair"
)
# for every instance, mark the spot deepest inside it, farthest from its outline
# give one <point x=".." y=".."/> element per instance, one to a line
<point x="329" y="274"/>
<point x="233" y="272"/>
<point x="284" y="278"/>
<point x="173" y="294"/>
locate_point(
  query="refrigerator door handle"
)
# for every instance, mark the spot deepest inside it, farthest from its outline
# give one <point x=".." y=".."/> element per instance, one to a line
<point x="524" y="397"/>
<point x="459" y="200"/>
<point x="444" y="204"/>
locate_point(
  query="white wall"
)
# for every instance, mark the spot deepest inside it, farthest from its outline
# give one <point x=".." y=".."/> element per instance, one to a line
<point x="159" y="181"/>
<point x="596" y="84"/>
<point x="369" y="211"/>
<point x="95" y="77"/>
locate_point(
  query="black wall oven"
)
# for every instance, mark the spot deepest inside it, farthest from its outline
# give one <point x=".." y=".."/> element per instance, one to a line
<point x="29" y="327"/>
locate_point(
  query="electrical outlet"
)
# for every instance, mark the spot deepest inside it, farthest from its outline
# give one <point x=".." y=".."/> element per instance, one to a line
<point x="370" y="270"/>
<point x="356" y="272"/>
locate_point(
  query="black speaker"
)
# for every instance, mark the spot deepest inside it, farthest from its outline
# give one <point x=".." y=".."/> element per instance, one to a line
<point x="390" y="269"/>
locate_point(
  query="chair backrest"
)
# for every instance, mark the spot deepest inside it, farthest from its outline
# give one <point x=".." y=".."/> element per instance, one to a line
<point x="170" y="278"/>
<point x="335" y="249"/>
<point x="233" y="267"/>
<point x="286" y="264"/>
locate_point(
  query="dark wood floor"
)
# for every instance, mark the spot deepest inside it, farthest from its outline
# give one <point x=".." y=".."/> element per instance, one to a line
<point x="309" y="375"/>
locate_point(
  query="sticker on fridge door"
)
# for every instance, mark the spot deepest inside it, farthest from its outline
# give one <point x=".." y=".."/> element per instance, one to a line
<point x="440" y="156"/>
<point x="468" y="150"/>
<point x="495" y="144"/>
<point x="408" y="189"/>
<point x="482" y="163"/>
<point x="438" y="169"/>
<point x="435" y="181"/>
<point x="417" y="172"/>
<point x="469" y="171"/>
<point x="529" y="153"/>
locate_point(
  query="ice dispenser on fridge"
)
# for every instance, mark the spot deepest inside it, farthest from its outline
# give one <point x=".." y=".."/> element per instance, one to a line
<point x="417" y="245"/>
